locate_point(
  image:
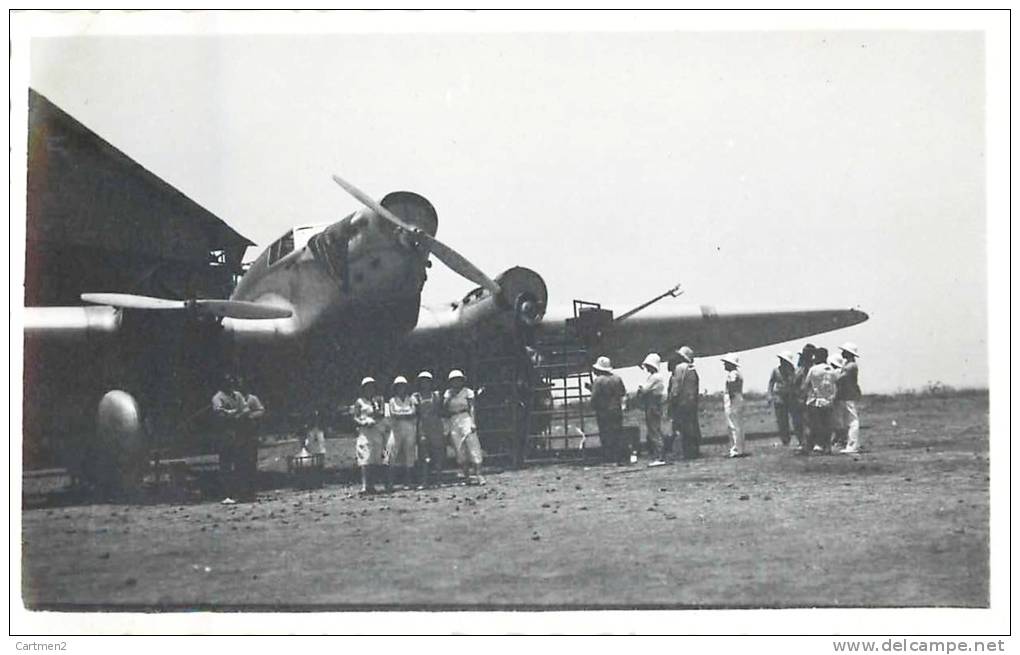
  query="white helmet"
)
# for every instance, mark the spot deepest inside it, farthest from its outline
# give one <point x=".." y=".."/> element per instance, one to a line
<point x="454" y="374"/>
<point x="851" y="348"/>
<point x="731" y="358"/>
<point x="400" y="379"/>
<point x="424" y="375"/>
<point x="652" y="361"/>
<point x="787" y="357"/>
<point x="367" y="380"/>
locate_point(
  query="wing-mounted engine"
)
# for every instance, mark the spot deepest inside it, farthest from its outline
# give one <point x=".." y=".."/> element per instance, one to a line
<point x="520" y="304"/>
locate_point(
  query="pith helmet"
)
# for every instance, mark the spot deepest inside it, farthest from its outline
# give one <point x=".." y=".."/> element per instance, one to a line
<point x="367" y="380"/>
<point x="731" y="358"/>
<point x="687" y="353"/>
<point x="851" y="348"/>
<point x="424" y="375"/>
<point x="836" y="361"/>
<point x="787" y="357"/>
<point x="400" y="379"/>
<point x="652" y="361"/>
<point x="454" y="374"/>
<point x="603" y="364"/>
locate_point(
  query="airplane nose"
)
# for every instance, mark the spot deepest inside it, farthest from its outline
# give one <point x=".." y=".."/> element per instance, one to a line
<point x="858" y="316"/>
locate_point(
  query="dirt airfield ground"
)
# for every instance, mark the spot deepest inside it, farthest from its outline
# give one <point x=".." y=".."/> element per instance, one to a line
<point x="904" y="525"/>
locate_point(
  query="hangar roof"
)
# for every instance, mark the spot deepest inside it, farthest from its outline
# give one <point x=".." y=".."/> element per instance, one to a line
<point x="83" y="191"/>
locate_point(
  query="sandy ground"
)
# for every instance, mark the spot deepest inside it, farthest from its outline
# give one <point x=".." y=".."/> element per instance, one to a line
<point x="904" y="525"/>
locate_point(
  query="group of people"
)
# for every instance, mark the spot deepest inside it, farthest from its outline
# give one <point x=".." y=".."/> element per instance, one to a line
<point x="677" y="390"/>
<point x="237" y="412"/>
<point x="817" y="394"/>
<point x="413" y="429"/>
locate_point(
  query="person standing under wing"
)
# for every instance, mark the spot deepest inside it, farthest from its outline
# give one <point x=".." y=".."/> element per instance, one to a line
<point x="652" y="394"/>
<point x="782" y="394"/>
<point x="369" y="415"/>
<point x="798" y="410"/>
<point x="401" y="446"/>
<point x="733" y="404"/>
<point x="228" y="406"/>
<point x="684" y="390"/>
<point x="459" y="406"/>
<point x="431" y="435"/>
<point x="248" y="442"/>
<point x="608" y="395"/>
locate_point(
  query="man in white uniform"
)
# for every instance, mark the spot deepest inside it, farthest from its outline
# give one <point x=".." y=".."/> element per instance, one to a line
<point x="733" y="404"/>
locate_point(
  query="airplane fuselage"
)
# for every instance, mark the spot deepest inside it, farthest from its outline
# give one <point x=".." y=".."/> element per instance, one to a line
<point x="354" y="289"/>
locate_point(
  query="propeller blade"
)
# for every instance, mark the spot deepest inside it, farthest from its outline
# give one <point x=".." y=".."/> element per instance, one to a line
<point x="212" y="307"/>
<point x="241" y="309"/>
<point x="444" y="253"/>
<point x="460" y="265"/>
<point x="131" y="301"/>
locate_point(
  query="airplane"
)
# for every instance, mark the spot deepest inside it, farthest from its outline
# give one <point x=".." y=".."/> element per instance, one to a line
<point x="322" y="306"/>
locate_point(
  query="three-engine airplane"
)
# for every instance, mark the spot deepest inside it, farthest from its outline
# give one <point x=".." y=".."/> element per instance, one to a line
<point x="319" y="308"/>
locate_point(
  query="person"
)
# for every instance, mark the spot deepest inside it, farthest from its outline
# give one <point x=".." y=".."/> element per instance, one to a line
<point x="401" y="445"/>
<point x="820" y="389"/>
<point x="848" y="394"/>
<point x="684" y="388"/>
<point x="733" y="404"/>
<point x="237" y="414"/>
<point x="608" y="395"/>
<point x="431" y="436"/>
<point x="315" y="438"/>
<point x="459" y="407"/>
<point x="369" y="413"/>
<point x="798" y="412"/>
<point x="652" y="394"/>
<point x="254" y="411"/>
<point x="228" y="405"/>
<point x="782" y="394"/>
<point x="839" y="435"/>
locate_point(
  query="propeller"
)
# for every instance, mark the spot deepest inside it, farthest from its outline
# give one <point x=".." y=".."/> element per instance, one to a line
<point x="444" y="253"/>
<point x="212" y="307"/>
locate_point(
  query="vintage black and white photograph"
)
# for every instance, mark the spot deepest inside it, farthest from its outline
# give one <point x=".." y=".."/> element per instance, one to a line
<point x="429" y="312"/>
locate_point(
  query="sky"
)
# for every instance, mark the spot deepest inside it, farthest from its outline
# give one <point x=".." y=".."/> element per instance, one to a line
<point x="756" y="169"/>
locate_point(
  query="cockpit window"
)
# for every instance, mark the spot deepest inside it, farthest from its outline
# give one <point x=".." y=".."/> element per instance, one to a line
<point x="473" y="295"/>
<point x="281" y="247"/>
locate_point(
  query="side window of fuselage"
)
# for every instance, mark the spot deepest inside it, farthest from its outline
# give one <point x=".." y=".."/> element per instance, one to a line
<point x="281" y="247"/>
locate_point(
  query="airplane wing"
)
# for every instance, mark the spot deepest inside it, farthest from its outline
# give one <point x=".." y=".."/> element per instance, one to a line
<point x="709" y="330"/>
<point x="70" y="323"/>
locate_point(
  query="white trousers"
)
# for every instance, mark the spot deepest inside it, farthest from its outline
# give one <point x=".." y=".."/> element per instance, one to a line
<point x="734" y="410"/>
<point x="849" y="420"/>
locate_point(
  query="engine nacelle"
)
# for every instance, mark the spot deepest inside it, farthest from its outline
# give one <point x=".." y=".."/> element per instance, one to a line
<point x="522" y="302"/>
